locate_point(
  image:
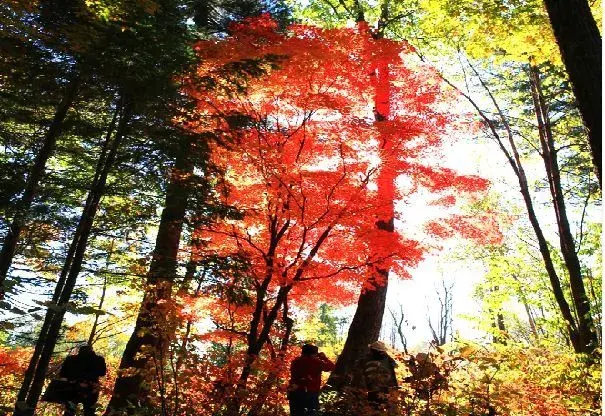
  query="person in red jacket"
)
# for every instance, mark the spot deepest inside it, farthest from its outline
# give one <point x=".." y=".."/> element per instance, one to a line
<point x="305" y="380"/>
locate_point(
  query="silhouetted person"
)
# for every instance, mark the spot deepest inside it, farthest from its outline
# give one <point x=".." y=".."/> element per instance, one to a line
<point x="84" y="369"/>
<point x="305" y="380"/>
<point x="380" y="379"/>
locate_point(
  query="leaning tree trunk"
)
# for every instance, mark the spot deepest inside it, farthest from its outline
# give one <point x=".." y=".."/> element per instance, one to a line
<point x="29" y="372"/>
<point x="498" y="325"/>
<point x="153" y="321"/>
<point x="367" y="321"/>
<point x="587" y="338"/>
<point x="514" y="160"/>
<point x="33" y="382"/>
<point x="555" y="282"/>
<point x="31" y="186"/>
<point x="579" y="41"/>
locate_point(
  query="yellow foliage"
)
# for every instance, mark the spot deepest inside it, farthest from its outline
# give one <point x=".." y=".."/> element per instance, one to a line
<point x="492" y="29"/>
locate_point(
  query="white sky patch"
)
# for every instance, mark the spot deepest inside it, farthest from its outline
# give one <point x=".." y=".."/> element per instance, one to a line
<point x="418" y="296"/>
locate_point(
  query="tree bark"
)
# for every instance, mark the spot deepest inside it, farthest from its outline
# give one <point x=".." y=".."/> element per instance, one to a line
<point x="579" y="41"/>
<point x="148" y="341"/>
<point x="258" y="336"/>
<point x="364" y="329"/>
<point x="398" y="328"/>
<point x="36" y="173"/>
<point x="181" y="350"/>
<point x="499" y="325"/>
<point x="555" y="282"/>
<point x="587" y="339"/>
<point x="444" y="321"/>
<point x="33" y="383"/>
<point x="256" y="345"/>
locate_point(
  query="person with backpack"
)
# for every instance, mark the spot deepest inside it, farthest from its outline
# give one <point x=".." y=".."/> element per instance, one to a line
<point x="83" y="370"/>
<point x="305" y="380"/>
<point x="380" y="379"/>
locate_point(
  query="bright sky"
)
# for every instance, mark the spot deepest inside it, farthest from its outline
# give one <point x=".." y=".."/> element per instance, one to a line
<point x="418" y="296"/>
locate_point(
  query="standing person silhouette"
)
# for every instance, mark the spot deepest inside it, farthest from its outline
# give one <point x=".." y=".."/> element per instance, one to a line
<point x="305" y="380"/>
<point x="84" y="369"/>
<point x="380" y="379"/>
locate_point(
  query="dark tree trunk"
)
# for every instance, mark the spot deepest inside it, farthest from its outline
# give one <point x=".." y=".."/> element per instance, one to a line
<point x="444" y="320"/>
<point x="587" y="339"/>
<point x="181" y="350"/>
<point x="93" y="331"/>
<point x="499" y="325"/>
<point x="153" y="321"/>
<point x="258" y="335"/>
<point x="398" y="323"/>
<point x="500" y="322"/>
<point x="256" y="344"/>
<point x="33" y="383"/>
<point x="497" y="321"/>
<point x="31" y="186"/>
<point x="29" y="373"/>
<point x="364" y="329"/>
<point x="579" y="41"/>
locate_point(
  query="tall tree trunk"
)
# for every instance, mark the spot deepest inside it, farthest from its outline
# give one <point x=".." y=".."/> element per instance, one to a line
<point x="444" y="321"/>
<point x="364" y="329"/>
<point x="367" y="321"/>
<point x="595" y="298"/>
<point x="579" y="41"/>
<point x="41" y="341"/>
<point x="33" y="383"/>
<point x="497" y="320"/>
<point x="587" y="339"/>
<point x="514" y="160"/>
<point x="23" y="206"/>
<point x="256" y="343"/>
<point x="258" y="335"/>
<point x="154" y="318"/>
<point x="498" y="324"/>
<point x="398" y="327"/>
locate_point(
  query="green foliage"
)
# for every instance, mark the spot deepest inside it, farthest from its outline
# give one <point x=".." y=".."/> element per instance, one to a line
<point x="323" y="329"/>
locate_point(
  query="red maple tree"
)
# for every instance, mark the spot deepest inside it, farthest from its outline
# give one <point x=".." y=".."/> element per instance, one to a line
<point x="312" y="168"/>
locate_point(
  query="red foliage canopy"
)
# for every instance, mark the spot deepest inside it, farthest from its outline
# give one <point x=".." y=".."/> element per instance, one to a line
<point x="307" y="160"/>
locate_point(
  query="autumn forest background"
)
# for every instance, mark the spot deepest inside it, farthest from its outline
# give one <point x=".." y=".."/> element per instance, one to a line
<point x="198" y="187"/>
